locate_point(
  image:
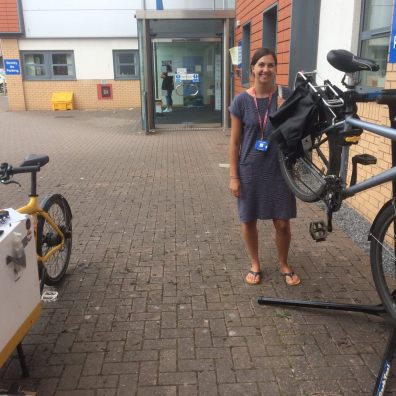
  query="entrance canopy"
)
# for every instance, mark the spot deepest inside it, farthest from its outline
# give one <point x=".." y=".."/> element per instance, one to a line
<point x="192" y="46"/>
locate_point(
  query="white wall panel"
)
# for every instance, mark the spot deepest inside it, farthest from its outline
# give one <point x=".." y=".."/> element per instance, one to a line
<point x="338" y="29"/>
<point x="73" y="18"/>
<point x="93" y="58"/>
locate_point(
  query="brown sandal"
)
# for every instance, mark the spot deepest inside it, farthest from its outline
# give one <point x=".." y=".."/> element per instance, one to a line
<point x="290" y="275"/>
<point x="256" y="277"/>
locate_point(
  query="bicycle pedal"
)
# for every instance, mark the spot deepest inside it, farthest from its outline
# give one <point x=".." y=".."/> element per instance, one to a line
<point x="364" y="159"/>
<point x="318" y="230"/>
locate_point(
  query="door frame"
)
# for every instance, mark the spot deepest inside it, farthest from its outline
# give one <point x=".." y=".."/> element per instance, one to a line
<point x="147" y="78"/>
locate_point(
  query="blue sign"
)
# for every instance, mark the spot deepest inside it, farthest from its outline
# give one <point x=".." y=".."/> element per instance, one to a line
<point x="12" y="66"/>
<point x="195" y="77"/>
<point x="177" y="78"/>
<point x="159" y="5"/>
<point x="392" y="47"/>
<point x="239" y="54"/>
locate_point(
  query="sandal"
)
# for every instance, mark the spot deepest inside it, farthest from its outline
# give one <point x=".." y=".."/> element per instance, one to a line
<point x="289" y="278"/>
<point x="256" y="277"/>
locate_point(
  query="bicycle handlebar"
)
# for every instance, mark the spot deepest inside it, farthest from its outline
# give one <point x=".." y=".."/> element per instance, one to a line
<point x="6" y="170"/>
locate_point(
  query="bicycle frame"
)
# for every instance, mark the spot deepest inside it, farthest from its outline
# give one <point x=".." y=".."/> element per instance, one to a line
<point x="33" y="208"/>
<point x="376" y="180"/>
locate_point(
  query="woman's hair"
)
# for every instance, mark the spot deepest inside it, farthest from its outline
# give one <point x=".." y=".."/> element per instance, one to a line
<point x="168" y="68"/>
<point x="260" y="53"/>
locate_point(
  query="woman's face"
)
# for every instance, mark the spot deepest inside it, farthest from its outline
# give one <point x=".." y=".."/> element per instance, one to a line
<point x="264" y="71"/>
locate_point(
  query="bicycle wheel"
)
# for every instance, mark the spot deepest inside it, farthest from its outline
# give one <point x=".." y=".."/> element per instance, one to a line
<point x="47" y="238"/>
<point x="179" y="89"/>
<point x="383" y="258"/>
<point x="305" y="175"/>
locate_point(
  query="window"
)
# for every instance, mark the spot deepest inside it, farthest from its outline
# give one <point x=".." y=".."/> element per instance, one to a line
<point x="126" y="64"/>
<point x="374" y="39"/>
<point x="246" y="54"/>
<point x="48" y="65"/>
<point x="270" y="18"/>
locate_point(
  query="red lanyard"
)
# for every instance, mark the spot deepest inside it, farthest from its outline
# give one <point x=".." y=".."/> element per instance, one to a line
<point x="263" y="123"/>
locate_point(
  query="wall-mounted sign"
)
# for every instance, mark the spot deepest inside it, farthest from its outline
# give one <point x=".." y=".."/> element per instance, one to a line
<point x="12" y="66"/>
<point x="392" y="47"/>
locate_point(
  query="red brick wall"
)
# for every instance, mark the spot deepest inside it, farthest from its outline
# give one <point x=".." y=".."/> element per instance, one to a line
<point x="252" y="11"/>
<point x="9" y="17"/>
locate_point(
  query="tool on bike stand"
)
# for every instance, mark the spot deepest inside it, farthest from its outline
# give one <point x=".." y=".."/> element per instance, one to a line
<point x="345" y="61"/>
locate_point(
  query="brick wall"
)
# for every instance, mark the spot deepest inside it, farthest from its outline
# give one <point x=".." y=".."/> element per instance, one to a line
<point x="16" y="94"/>
<point x="126" y="94"/>
<point x="9" y="17"/>
<point x="252" y="11"/>
<point x="37" y="95"/>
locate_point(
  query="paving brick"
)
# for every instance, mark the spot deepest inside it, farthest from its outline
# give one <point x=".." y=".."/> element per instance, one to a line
<point x="178" y="378"/>
<point x="70" y="377"/>
<point x="148" y="373"/>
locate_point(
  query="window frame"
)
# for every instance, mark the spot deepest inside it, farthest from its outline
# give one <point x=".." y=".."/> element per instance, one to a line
<point x="366" y="35"/>
<point x="246" y="46"/>
<point x="48" y="65"/>
<point x="267" y="14"/>
<point x="117" y="64"/>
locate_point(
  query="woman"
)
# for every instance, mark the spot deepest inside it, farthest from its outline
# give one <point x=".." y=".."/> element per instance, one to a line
<point x="255" y="175"/>
<point x="167" y="85"/>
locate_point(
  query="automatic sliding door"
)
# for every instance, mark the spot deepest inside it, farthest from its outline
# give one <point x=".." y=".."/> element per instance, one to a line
<point x="195" y="67"/>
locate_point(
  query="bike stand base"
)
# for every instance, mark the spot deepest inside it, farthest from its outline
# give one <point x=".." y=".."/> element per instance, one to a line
<point x="390" y="349"/>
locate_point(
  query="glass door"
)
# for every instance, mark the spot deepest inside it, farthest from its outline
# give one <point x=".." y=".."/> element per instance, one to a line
<point x="187" y="82"/>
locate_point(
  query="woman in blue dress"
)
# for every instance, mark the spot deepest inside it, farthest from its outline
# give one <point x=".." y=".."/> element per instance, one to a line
<point x="255" y="176"/>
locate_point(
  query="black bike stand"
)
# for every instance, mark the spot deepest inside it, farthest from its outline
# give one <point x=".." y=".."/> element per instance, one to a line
<point x="390" y="350"/>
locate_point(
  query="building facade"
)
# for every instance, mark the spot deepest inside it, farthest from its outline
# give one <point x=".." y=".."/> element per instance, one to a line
<point x="302" y="33"/>
<point x="110" y="55"/>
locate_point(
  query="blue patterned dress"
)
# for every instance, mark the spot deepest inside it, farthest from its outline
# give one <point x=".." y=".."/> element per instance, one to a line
<point x="265" y="195"/>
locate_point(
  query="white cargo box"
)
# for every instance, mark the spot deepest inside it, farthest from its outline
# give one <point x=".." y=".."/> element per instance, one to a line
<point x="20" y="304"/>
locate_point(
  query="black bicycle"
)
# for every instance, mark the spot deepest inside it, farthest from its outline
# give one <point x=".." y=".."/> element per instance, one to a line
<point x="315" y="162"/>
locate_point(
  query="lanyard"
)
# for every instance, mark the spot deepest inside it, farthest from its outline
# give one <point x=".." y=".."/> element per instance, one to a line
<point x="263" y="123"/>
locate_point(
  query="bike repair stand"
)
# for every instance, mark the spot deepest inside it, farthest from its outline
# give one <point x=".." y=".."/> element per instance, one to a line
<point x="390" y="349"/>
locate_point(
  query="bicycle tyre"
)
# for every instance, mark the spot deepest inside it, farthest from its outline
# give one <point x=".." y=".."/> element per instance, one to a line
<point x="382" y="257"/>
<point x="59" y="210"/>
<point x="306" y="175"/>
<point x="179" y="89"/>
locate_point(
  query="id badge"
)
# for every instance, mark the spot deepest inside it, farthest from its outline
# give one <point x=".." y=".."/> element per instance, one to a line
<point x="261" y="145"/>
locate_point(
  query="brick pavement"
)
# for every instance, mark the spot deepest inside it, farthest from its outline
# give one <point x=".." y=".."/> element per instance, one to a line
<point x="154" y="301"/>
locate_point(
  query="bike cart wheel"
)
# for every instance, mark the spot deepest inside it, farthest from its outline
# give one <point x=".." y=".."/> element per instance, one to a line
<point x="305" y="175"/>
<point x="383" y="259"/>
<point x="56" y="265"/>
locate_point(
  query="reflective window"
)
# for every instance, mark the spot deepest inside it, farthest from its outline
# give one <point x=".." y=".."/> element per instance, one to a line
<point x="126" y="64"/>
<point x="47" y="65"/>
<point x="374" y="39"/>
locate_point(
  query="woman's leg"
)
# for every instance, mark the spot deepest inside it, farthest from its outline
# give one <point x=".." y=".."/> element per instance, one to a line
<point x="250" y="236"/>
<point x="169" y="101"/>
<point x="282" y="239"/>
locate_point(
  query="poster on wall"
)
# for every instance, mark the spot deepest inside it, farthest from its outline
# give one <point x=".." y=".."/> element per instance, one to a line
<point x="218" y="82"/>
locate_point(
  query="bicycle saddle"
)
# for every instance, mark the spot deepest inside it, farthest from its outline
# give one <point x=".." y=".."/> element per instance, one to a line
<point x="347" y="62"/>
<point x="34" y="159"/>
